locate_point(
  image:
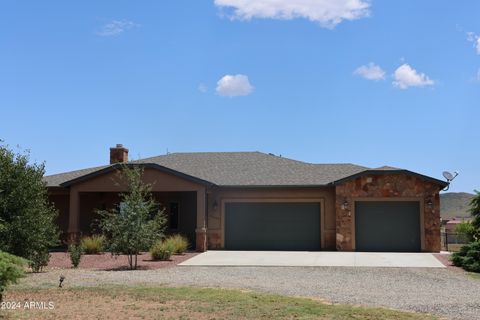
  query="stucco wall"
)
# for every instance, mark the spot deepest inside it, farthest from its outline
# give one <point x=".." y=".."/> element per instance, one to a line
<point x="388" y="186"/>
<point x="215" y="229"/>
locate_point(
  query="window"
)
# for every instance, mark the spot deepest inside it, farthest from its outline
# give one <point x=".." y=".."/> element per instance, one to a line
<point x="173" y="215"/>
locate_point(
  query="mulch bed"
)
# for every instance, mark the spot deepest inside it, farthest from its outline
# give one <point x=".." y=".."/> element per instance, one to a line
<point x="445" y="259"/>
<point x="105" y="261"/>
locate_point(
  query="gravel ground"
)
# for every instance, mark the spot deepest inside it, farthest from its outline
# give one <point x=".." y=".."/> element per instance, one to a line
<point x="447" y="293"/>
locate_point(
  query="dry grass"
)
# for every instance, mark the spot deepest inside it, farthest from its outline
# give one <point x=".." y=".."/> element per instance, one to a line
<point x="148" y="302"/>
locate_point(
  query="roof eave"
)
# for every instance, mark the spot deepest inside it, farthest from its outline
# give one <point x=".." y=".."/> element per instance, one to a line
<point x="441" y="183"/>
<point x="118" y="166"/>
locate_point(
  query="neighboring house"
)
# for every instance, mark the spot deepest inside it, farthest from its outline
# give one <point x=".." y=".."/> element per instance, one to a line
<point x="452" y="224"/>
<point x="257" y="201"/>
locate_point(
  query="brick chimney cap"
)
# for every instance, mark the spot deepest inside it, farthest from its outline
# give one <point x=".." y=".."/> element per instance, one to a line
<point x="119" y="145"/>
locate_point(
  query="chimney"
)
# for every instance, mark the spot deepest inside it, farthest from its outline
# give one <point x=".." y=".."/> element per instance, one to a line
<point x="118" y="154"/>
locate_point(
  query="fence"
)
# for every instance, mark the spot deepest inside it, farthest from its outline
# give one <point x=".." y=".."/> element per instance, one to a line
<point x="452" y="241"/>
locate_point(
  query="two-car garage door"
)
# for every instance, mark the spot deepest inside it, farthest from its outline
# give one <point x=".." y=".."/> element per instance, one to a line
<point x="272" y="226"/>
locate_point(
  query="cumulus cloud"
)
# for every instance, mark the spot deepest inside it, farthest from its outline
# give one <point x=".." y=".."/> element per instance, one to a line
<point x="472" y="37"/>
<point x="370" y="71"/>
<point x="328" y="13"/>
<point x="405" y="77"/>
<point x="116" y="27"/>
<point x="234" y="85"/>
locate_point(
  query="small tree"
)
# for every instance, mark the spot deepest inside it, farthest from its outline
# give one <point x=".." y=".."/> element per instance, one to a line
<point x="11" y="269"/>
<point x="27" y="219"/>
<point x="136" y="222"/>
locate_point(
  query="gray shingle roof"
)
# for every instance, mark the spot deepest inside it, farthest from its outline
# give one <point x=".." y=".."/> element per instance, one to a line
<point x="237" y="169"/>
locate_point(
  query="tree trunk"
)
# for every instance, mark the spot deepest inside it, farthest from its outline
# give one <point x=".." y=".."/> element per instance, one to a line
<point x="136" y="261"/>
<point x="130" y="261"/>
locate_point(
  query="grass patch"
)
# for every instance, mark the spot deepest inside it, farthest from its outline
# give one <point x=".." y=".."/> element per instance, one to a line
<point x="474" y="275"/>
<point x="149" y="302"/>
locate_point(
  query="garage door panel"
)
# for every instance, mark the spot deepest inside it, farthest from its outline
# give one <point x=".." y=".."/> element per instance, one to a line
<point x="272" y="226"/>
<point x="387" y="226"/>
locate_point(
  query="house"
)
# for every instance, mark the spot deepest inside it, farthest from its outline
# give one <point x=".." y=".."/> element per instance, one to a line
<point x="258" y="201"/>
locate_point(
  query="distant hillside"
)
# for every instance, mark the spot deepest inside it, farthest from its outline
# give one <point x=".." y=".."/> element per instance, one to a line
<point x="455" y="204"/>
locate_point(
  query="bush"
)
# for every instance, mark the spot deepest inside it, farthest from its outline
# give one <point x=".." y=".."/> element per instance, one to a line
<point x="11" y="269"/>
<point x="178" y="242"/>
<point x="75" y="251"/>
<point x="468" y="257"/>
<point x="93" y="245"/>
<point x="161" y="250"/>
<point x="38" y="260"/>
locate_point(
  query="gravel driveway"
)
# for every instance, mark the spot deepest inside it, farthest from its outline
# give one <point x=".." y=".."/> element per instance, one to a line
<point x="444" y="292"/>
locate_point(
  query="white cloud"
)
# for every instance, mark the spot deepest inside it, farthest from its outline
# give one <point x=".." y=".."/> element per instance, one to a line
<point x="116" y="27"/>
<point x="202" y="88"/>
<point x="405" y="77"/>
<point x="234" y="85"/>
<point x="328" y="13"/>
<point x="370" y="71"/>
<point x="472" y="37"/>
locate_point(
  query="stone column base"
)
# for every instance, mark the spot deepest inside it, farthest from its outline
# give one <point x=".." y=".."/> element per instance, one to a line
<point x="201" y="239"/>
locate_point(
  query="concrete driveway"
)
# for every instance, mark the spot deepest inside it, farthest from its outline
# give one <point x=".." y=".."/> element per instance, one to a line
<point x="314" y="259"/>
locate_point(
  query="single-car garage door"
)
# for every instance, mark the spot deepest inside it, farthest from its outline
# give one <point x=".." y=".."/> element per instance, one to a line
<point x="272" y="226"/>
<point x="392" y="226"/>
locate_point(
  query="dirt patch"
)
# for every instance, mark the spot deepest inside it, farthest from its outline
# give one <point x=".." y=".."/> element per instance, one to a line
<point x="105" y="261"/>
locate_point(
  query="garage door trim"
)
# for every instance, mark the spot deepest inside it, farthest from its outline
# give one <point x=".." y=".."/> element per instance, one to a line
<point x="277" y="200"/>
<point x="377" y="199"/>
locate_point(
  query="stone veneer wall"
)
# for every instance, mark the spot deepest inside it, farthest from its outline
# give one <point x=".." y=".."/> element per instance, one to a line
<point x="387" y="186"/>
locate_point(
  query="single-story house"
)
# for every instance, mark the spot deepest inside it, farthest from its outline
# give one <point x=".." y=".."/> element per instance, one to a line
<point x="258" y="201"/>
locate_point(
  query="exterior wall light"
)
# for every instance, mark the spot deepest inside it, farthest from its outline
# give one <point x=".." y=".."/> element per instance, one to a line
<point x="215" y="205"/>
<point x="345" y="205"/>
<point x="429" y="203"/>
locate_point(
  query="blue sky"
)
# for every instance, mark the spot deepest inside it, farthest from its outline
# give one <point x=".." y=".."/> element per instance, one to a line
<point x="240" y="75"/>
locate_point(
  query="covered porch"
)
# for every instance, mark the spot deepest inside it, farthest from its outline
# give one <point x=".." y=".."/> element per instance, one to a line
<point x="184" y="203"/>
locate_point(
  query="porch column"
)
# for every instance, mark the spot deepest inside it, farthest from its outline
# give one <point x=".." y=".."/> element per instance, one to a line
<point x="201" y="230"/>
<point x="73" y="216"/>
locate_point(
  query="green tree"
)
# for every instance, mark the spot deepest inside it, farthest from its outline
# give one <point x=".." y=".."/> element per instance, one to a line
<point x="27" y="219"/>
<point x="11" y="269"/>
<point x="469" y="255"/>
<point x="468" y="231"/>
<point x="137" y="220"/>
<point x="475" y="210"/>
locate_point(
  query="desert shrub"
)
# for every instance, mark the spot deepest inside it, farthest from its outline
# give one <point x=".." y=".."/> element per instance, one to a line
<point x="11" y="269"/>
<point x="39" y="259"/>
<point x="75" y="251"/>
<point x="93" y="244"/>
<point x="178" y="242"/>
<point x="468" y="257"/>
<point x="161" y="250"/>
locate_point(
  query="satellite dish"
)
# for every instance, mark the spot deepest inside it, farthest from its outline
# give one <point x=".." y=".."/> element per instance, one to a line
<point x="447" y="175"/>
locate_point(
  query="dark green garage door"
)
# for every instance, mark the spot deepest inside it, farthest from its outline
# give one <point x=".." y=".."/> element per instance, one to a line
<point x="392" y="226"/>
<point x="272" y="226"/>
